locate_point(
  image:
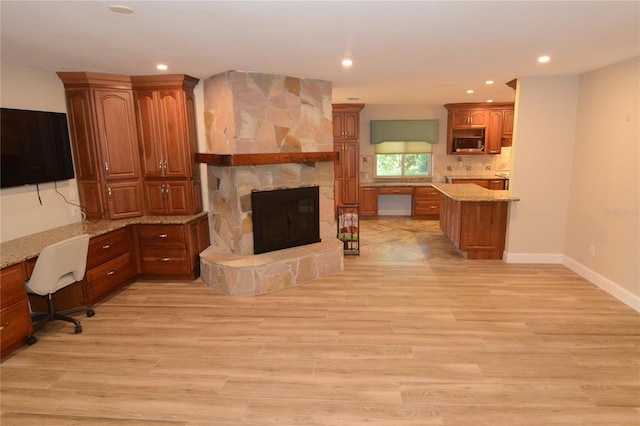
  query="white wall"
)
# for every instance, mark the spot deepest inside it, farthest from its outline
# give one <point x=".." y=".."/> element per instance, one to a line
<point x="604" y="201"/>
<point x="544" y="136"/>
<point x="20" y="210"/>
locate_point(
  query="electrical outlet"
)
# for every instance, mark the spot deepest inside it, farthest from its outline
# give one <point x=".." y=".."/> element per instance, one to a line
<point x="76" y="212"/>
<point x="592" y="250"/>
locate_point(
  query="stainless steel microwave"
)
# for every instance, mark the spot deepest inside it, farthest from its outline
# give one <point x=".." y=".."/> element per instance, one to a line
<point x="468" y="144"/>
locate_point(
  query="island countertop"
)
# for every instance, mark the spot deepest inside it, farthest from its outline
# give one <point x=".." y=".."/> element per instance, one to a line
<point x="473" y="192"/>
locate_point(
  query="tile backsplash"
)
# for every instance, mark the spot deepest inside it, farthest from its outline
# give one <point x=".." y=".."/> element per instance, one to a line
<point x="450" y="165"/>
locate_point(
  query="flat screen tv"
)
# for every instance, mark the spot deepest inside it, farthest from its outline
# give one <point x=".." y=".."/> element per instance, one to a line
<point x="35" y="147"/>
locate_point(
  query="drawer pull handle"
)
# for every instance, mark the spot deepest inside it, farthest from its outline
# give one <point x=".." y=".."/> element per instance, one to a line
<point x="112" y="272"/>
<point x="164" y="259"/>
<point x="160" y="236"/>
<point x="107" y="246"/>
<point x="3" y="326"/>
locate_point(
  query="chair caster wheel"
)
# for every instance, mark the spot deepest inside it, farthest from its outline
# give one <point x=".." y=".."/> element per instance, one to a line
<point x="30" y="340"/>
<point x="91" y="313"/>
<point x="78" y="329"/>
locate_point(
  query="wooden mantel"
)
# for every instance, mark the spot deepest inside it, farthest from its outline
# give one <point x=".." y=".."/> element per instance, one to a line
<point x="229" y="160"/>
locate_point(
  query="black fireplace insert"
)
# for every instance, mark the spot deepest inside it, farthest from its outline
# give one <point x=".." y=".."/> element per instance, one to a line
<point x="284" y="218"/>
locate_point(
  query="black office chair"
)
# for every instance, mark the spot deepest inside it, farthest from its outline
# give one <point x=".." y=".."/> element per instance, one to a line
<point x="59" y="265"/>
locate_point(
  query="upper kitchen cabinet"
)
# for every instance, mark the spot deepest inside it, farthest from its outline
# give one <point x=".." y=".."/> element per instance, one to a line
<point x="477" y="128"/>
<point x="165" y="108"/>
<point x="346" y="122"/>
<point x="507" y="126"/>
<point x="104" y="142"/>
<point x="464" y="118"/>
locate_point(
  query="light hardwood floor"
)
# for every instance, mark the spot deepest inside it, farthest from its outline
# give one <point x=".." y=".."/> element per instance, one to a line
<point x="409" y="334"/>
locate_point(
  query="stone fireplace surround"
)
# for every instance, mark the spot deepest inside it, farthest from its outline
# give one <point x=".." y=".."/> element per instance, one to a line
<point x="265" y="132"/>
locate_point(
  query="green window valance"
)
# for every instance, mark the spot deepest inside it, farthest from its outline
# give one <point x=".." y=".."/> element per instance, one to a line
<point x="404" y="131"/>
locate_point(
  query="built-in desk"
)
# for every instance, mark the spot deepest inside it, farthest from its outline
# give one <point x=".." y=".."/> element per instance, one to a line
<point x="425" y="200"/>
<point x="156" y="247"/>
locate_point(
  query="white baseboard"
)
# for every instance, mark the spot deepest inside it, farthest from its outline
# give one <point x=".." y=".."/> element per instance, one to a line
<point x="533" y="258"/>
<point x="617" y="291"/>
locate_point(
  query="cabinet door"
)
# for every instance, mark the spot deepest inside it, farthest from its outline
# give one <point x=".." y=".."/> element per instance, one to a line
<point x="177" y="199"/>
<point x="124" y="199"/>
<point x="117" y="134"/>
<point x="173" y="133"/>
<point x="507" y="127"/>
<point x="83" y="140"/>
<point x="346" y="125"/>
<point x="368" y="201"/>
<point x="493" y="137"/>
<point x="148" y="137"/>
<point x="15" y="319"/>
<point x="350" y="170"/>
<point x="468" y="118"/>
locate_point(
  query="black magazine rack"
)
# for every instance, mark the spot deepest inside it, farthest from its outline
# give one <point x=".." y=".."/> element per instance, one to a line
<point x="348" y="216"/>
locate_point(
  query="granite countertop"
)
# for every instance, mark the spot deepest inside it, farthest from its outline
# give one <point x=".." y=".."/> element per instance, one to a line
<point x="473" y="192"/>
<point x="379" y="184"/>
<point x="494" y="176"/>
<point x="24" y="248"/>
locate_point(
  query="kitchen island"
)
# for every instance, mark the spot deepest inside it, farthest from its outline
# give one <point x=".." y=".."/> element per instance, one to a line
<point x="474" y="218"/>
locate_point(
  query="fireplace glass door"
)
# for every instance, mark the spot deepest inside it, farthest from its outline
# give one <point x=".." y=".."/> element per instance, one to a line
<point x="284" y="218"/>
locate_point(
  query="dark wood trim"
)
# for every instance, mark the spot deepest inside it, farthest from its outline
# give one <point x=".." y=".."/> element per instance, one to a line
<point x="228" y="160"/>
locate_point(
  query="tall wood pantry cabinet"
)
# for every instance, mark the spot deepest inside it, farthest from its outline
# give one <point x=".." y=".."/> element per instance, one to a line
<point x="104" y="142"/>
<point x="165" y="111"/>
<point x="346" y="142"/>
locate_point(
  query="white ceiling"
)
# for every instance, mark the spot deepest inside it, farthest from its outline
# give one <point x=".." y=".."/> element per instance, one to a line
<point x="404" y="53"/>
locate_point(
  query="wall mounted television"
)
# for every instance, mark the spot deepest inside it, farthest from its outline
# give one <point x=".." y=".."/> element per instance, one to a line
<point x="35" y="147"/>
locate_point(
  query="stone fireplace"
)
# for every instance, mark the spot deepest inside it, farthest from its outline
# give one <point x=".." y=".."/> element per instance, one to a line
<point x="266" y="132"/>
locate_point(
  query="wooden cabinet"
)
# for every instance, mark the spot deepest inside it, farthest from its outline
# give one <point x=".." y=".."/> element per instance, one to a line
<point x="111" y="264"/>
<point x="346" y="122"/>
<point x="172" y="251"/>
<point x="494" y="184"/>
<point x="165" y="111"/>
<point x="479" y="128"/>
<point x="476" y="228"/>
<point x="493" y="136"/>
<point x="104" y="142"/>
<point x="426" y="202"/>
<point x="15" y="319"/>
<point x="507" y="126"/>
<point x="368" y="201"/>
<point x="346" y="133"/>
<point x="468" y="117"/>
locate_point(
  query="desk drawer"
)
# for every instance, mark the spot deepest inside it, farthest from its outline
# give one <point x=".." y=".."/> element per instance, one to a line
<point x="12" y="285"/>
<point x="110" y="275"/>
<point x="161" y="236"/>
<point x="164" y="261"/>
<point x="395" y="190"/>
<point x="108" y="246"/>
<point x="15" y="324"/>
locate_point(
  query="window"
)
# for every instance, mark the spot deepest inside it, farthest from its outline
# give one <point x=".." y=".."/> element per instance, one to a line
<point x="403" y="159"/>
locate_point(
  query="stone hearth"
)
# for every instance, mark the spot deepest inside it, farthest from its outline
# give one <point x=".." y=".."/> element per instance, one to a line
<point x="253" y="113"/>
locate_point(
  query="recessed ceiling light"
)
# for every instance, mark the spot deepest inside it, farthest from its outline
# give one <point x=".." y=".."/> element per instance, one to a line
<point x="488" y="82"/>
<point x="162" y="67"/>
<point x="347" y="63"/>
<point x="470" y="91"/>
<point x="544" y="59"/>
<point x="117" y="8"/>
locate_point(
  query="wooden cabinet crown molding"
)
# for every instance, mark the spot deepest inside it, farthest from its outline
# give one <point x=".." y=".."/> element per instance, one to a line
<point x="79" y="80"/>
<point x="347" y="107"/>
<point x="159" y="82"/>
